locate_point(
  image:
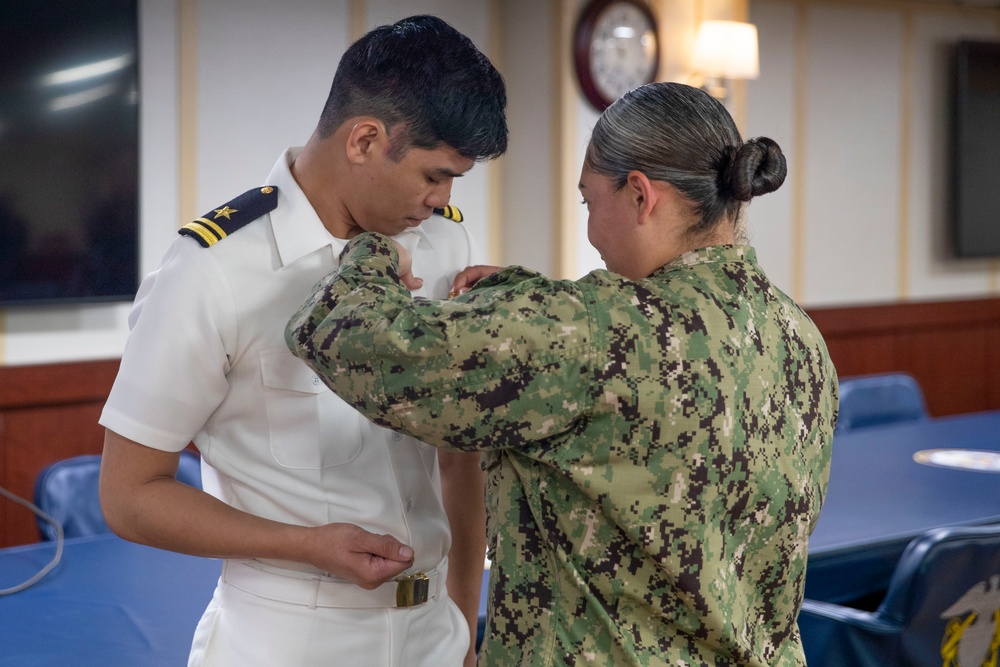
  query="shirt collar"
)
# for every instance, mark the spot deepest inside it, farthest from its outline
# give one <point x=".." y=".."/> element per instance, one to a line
<point x="709" y="255"/>
<point x="297" y="229"/>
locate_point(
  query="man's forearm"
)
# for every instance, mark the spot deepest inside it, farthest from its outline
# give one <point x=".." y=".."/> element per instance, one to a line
<point x="142" y="502"/>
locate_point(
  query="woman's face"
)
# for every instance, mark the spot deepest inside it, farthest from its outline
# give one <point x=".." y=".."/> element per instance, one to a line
<point x="608" y="221"/>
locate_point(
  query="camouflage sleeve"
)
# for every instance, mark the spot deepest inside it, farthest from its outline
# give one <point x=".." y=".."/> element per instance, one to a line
<point x="504" y="365"/>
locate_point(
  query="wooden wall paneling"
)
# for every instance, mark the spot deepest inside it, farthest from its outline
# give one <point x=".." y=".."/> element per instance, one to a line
<point x="948" y="364"/>
<point x="47" y="413"/>
<point x="56" y="384"/>
<point x="992" y="364"/>
<point x="6" y="506"/>
<point x="859" y="355"/>
<point x="37" y="437"/>
<point x="951" y="347"/>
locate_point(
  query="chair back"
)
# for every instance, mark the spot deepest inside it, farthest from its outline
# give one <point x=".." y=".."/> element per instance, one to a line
<point x="189" y="469"/>
<point x="941" y="609"/>
<point x="945" y="595"/>
<point x="68" y="491"/>
<point x="871" y="400"/>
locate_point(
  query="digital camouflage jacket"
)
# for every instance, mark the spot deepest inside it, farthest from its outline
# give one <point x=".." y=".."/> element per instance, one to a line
<point x="657" y="450"/>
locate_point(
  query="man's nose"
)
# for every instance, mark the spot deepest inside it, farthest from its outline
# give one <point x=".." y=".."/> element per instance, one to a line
<point x="439" y="196"/>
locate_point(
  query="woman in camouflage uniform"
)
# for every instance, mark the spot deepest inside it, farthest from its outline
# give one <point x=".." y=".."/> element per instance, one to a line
<point x="657" y="435"/>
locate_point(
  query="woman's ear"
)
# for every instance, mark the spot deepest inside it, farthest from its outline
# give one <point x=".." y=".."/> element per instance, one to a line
<point x="363" y="138"/>
<point x="642" y="194"/>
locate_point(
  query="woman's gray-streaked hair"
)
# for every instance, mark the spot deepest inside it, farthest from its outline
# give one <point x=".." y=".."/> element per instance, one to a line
<point x="682" y="135"/>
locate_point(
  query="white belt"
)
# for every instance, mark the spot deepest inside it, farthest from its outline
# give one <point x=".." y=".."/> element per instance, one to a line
<point x="314" y="590"/>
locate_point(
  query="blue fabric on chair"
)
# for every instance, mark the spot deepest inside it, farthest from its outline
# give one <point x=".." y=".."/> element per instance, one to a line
<point x="67" y="491"/>
<point x="941" y="608"/>
<point x="885" y="398"/>
<point x="189" y="469"/>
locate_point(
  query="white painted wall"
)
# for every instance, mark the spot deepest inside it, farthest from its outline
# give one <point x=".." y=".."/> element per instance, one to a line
<point x="856" y="94"/>
<point x="264" y="71"/>
<point x="863" y="215"/>
<point x="528" y="167"/>
<point x="771" y="113"/>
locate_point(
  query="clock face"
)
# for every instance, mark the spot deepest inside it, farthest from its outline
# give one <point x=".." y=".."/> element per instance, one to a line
<point x="616" y="50"/>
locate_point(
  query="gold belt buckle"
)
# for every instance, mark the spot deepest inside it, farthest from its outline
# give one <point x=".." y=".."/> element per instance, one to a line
<point x="412" y="589"/>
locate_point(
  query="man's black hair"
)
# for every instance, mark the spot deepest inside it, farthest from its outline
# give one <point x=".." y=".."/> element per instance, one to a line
<point x="425" y="80"/>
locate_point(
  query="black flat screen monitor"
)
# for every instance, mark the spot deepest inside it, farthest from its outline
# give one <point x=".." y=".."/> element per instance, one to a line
<point x="69" y="151"/>
<point x="976" y="173"/>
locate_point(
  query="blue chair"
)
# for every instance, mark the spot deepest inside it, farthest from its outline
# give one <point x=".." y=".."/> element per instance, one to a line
<point x="67" y="491"/>
<point x="189" y="469"/>
<point x="885" y="398"/>
<point x="941" y="609"/>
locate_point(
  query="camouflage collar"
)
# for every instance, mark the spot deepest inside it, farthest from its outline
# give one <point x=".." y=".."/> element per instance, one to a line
<point x="709" y="255"/>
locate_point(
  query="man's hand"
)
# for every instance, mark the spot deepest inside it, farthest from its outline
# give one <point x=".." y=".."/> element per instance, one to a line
<point x="144" y="503"/>
<point x="469" y="276"/>
<point x="353" y="553"/>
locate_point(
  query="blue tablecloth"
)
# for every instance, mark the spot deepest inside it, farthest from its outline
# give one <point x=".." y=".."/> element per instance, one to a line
<point x="879" y="499"/>
<point x="109" y="603"/>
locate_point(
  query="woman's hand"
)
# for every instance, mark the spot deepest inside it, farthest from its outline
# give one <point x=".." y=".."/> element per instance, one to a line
<point x="405" y="268"/>
<point x="469" y="276"/>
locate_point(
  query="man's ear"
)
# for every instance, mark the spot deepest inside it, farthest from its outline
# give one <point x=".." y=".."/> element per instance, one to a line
<point x="364" y="137"/>
<point x="642" y="194"/>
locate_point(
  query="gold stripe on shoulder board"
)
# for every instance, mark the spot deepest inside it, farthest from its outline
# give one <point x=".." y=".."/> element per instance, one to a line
<point x="219" y="231"/>
<point x="450" y="212"/>
<point x="201" y="231"/>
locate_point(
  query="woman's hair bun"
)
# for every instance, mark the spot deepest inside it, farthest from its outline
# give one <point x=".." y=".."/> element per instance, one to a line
<point x="755" y="168"/>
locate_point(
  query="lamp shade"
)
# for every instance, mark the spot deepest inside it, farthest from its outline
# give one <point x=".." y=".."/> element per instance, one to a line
<point x="726" y="49"/>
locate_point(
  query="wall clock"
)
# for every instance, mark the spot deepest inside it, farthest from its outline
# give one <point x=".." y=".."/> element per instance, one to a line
<point x="616" y="49"/>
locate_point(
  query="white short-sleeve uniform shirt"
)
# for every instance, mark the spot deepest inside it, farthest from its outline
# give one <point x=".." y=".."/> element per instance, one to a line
<point x="206" y="361"/>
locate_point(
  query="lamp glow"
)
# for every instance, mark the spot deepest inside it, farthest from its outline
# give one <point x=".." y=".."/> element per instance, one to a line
<point x="727" y="50"/>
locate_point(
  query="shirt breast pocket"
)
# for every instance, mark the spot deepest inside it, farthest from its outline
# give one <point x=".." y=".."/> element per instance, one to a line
<point x="309" y="426"/>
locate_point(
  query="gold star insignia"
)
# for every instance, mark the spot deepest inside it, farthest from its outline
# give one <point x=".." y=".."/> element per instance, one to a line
<point x="224" y="212"/>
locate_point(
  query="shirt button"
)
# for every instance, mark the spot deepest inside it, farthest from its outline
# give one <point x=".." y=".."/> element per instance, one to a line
<point x="396" y="436"/>
<point x="316" y="379"/>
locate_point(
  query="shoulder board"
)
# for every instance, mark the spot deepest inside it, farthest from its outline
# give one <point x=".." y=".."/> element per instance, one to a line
<point x="219" y="223"/>
<point x="450" y="212"/>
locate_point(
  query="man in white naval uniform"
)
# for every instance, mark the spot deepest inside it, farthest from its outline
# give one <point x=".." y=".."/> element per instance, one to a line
<point x="335" y="532"/>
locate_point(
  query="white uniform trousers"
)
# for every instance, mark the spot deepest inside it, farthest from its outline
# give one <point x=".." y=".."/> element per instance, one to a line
<point x="246" y="629"/>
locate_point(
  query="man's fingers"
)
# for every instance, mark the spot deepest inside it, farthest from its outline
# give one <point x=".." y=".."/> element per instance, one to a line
<point x="386" y="546"/>
<point x="386" y="558"/>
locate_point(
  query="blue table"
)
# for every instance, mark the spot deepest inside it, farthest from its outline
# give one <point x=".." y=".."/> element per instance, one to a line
<point x="108" y="602"/>
<point x="879" y="499"/>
